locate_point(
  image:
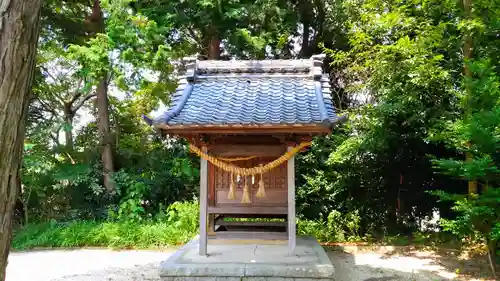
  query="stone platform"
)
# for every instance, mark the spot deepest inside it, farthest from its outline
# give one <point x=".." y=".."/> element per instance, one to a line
<point x="249" y="262"/>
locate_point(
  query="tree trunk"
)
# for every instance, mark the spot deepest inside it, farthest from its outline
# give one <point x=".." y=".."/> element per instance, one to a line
<point x="306" y="19"/>
<point x="490" y="247"/>
<point x="105" y="135"/>
<point x="472" y="185"/>
<point x="68" y="131"/>
<point x="305" y="40"/>
<point x="213" y="45"/>
<point x="19" y="28"/>
<point x="105" y="140"/>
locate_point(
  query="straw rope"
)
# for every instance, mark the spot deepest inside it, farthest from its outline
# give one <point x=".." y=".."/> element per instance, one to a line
<point x="248" y="171"/>
<point x="245" y="198"/>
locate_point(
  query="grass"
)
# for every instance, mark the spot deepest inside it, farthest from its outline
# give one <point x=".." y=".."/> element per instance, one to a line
<point x="174" y="227"/>
<point x="121" y="235"/>
<point x="154" y="234"/>
<point x="177" y="225"/>
<point x="178" y="228"/>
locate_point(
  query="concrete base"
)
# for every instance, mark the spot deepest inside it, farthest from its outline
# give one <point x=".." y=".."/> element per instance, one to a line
<point x="249" y="262"/>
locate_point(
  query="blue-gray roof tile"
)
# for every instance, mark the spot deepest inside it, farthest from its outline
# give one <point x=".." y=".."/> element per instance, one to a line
<point x="267" y="92"/>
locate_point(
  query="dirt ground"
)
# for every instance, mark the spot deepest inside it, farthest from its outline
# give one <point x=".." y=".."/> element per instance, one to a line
<point x="405" y="263"/>
<point x="351" y="264"/>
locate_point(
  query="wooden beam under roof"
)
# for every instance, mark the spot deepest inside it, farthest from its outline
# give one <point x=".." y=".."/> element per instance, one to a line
<point x="225" y="150"/>
<point x="311" y="129"/>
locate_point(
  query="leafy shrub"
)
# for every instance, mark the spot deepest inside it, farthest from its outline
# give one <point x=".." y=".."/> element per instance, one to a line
<point x="132" y="190"/>
<point x="337" y="228"/>
<point x="177" y="226"/>
<point x="183" y="220"/>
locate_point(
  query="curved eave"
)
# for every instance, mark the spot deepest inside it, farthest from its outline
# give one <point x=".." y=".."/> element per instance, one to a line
<point x="244" y="129"/>
<point x="311" y="129"/>
<point x="174" y="110"/>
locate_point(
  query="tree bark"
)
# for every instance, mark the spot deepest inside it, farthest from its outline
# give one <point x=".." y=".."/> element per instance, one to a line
<point x="306" y="19"/>
<point x="305" y="40"/>
<point x="68" y="132"/>
<point x="105" y="135"/>
<point x="102" y="101"/>
<point x="491" y="248"/>
<point x="213" y="45"/>
<point x="19" y="29"/>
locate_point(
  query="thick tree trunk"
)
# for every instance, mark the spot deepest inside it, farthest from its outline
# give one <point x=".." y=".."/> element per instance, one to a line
<point x="19" y="28"/>
<point x="306" y="19"/>
<point x="214" y="45"/>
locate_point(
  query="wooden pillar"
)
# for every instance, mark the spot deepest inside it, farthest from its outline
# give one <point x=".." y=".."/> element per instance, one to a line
<point x="211" y="225"/>
<point x="203" y="203"/>
<point x="291" y="204"/>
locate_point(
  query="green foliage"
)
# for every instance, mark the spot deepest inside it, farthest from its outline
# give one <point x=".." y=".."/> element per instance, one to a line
<point x="402" y="69"/>
<point x="337" y="227"/>
<point x="478" y="135"/>
<point x="178" y="225"/>
<point x="130" y="51"/>
<point x="175" y="225"/>
<point x="477" y="213"/>
<point x="184" y="218"/>
<point x="475" y="132"/>
<point x="130" y="207"/>
<point x="52" y="186"/>
<point x="245" y="27"/>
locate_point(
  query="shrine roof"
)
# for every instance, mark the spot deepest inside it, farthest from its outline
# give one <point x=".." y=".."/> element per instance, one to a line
<point x="251" y="93"/>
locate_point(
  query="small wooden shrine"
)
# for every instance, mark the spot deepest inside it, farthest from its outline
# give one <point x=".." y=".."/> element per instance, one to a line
<point x="246" y="120"/>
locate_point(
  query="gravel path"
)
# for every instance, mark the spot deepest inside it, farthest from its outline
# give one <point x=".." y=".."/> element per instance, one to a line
<point x="85" y="265"/>
<point x="106" y="265"/>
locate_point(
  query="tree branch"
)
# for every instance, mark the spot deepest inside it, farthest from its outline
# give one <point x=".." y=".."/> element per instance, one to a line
<point x="55" y="140"/>
<point x="47" y="108"/>
<point x="77" y="94"/>
<point x="110" y="78"/>
<point x="193" y="35"/>
<point x="56" y="81"/>
<point x="82" y="102"/>
<point x="48" y="73"/>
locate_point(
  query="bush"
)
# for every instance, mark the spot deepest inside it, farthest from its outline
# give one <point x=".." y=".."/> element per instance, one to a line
<point x="176" y="226"/>
<point x="337" y="228"/>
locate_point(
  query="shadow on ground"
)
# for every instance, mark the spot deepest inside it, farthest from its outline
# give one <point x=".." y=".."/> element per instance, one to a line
<point x="405" y="263"/>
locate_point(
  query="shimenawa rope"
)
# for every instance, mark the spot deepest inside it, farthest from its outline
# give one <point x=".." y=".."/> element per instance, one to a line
<point x="249" y="171"/>
<point x="261" y="192"/>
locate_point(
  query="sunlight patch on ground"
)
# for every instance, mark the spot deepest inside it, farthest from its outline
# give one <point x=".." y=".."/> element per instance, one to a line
<point x="414" y="265"/>
<point x="49" y="265"/>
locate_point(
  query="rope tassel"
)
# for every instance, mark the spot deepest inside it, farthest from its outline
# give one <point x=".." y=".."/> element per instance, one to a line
<point x="246" y="194"/>
<point x="261" y="192"/>
<point x="231" y="195"/>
